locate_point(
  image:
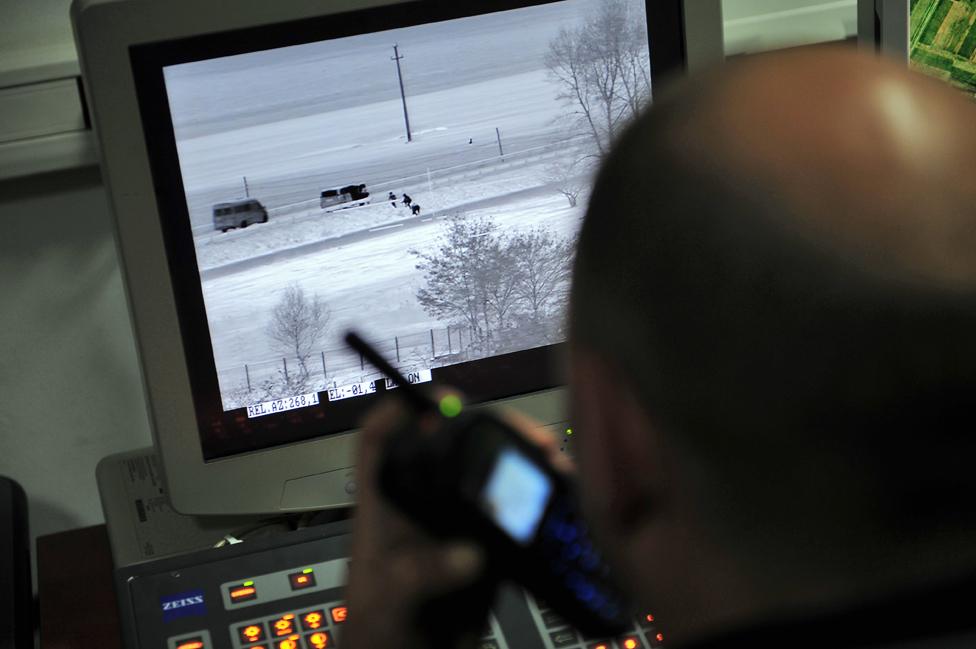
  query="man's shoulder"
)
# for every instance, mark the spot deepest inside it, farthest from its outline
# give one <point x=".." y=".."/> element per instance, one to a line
<point x="934" y="617"/>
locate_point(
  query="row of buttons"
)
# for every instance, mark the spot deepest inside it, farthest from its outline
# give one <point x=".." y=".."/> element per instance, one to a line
<point x="306" y="629"/>
<point x="247" y="590"/>
<point x="317" y="640"/>
<point x="557" y="634"/>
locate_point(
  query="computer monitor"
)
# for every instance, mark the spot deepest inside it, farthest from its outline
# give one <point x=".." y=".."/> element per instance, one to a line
<point x="280" y="172"/>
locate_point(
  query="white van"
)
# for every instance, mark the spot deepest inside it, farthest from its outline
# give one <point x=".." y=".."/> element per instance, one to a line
<point x="238" y="214"/>
<point x="348" y="196"/>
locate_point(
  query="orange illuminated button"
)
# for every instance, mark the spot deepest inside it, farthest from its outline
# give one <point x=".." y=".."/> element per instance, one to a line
<point x="631" y="642"/>
<point x="242" y="592"/>
<point x="339" y="614"/>
<point x="251" y="632"/>
<point x="313" y="620"/>
<point x="284" y="625"/>
<point x="291" y="642"/>
<point x="190" y="643"/>
<point x="598" y="645"/>
<point x="319" y="640"/>
<point x="303" y="579"/>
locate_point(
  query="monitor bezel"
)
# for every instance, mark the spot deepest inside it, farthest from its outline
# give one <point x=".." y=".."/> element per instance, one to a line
<point x="107" y="33"/>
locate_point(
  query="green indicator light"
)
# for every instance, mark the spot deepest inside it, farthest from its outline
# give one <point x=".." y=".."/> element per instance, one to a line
<point x="248" y="583"/>
<point x="307" y="571"/>
<point x="569" y="431"/>
<point x="450" y="405"/>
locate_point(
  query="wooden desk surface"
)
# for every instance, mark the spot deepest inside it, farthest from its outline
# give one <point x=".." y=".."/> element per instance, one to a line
<point x="74" y="585"/>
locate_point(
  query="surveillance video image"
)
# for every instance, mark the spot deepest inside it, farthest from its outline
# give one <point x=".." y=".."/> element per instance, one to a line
<point x="423" y="185"/>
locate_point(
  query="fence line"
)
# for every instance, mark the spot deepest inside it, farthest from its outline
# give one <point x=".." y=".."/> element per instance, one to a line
<point x="324" y="368"/>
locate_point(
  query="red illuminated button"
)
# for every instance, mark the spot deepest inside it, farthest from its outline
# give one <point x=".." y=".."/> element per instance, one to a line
<point x="303" y="579"/>
<point x="291" y="642"/>
<point x="313" y="620"/>
<point x="242" y="592"/>
<point x="251" y="632"/>
<point x="284" y="625"/>
<point x="190" y="643"/>
<point x="655" y="639"/>
<point x="339" y="614"/>
<point x="319" y="640"/>
<point x="648" y="620"/>
<point x="631" y="642"/>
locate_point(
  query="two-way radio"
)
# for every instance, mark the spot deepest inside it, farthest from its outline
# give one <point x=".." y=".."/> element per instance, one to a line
<point x="476" y="477"/>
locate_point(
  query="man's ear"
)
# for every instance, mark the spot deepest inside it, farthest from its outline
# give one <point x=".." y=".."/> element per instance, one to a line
<point x="620" y="453"/>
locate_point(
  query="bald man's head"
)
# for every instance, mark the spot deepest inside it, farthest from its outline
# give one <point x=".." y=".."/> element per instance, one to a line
<point x="868" y="157"/>
<point x="780" y="257"/>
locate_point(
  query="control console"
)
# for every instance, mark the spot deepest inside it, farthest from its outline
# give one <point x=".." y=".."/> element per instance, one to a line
<point x="286" y="592"/>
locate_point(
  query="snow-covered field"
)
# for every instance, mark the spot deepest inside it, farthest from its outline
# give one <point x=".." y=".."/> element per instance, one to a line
<point x="325" y="115"/>
<point x="370" y="285"/>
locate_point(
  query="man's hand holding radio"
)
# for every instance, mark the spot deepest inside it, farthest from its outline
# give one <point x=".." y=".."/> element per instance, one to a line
<point x="397" y="568"/>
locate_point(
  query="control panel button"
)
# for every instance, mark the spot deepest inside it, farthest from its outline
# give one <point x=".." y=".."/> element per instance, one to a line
<point x="339" y="614"/>
<point x="647" y="621"/>
<point x="191" y="643"/>
<point x="319" y="640"/>
<point x="598" y="645"/>
<point x="630" y="642"/>
<point x="552" y="620"/>
<point x="284" y="625"/>
<point x="313" y="620"/>
<point x="301" y="580"/>
<point x="655" y="639"/>
<point x="563" y="638"/>
<point x="253" y="632"/>
<point x="243" y="592"/>
<point x="291" y="642"/>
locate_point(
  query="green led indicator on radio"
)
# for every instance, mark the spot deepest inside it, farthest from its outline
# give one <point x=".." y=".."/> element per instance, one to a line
<point x="307" y="571"/>
<point x="450" y="405"/>
<point x="248" y="583"/>
<point x="569" y="431"/>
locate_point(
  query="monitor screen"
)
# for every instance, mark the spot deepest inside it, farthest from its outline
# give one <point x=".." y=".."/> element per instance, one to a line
<point x="416" y="172"/>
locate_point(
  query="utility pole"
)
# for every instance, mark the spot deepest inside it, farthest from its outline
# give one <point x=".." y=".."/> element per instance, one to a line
<point x="403" y="97"/>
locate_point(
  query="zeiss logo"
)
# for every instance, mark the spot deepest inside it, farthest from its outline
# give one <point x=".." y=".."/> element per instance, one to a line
<point x="183" y="605"/>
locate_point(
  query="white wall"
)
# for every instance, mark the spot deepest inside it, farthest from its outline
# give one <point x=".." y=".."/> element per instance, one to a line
<point x="752" y="26"/>
<point x="34" y="32"/>
<point x="70" y="391"/>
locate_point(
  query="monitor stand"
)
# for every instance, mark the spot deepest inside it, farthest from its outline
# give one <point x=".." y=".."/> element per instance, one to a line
<point x="142" y="526"/>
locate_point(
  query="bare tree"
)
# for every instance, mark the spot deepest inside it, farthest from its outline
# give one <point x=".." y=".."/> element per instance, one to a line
<point x="469" y="278"/>
<point x="602" y="68"/>
<point x="570" y="177"/>
<point x="542" y="265"/>
<point x="298" y="324"/>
